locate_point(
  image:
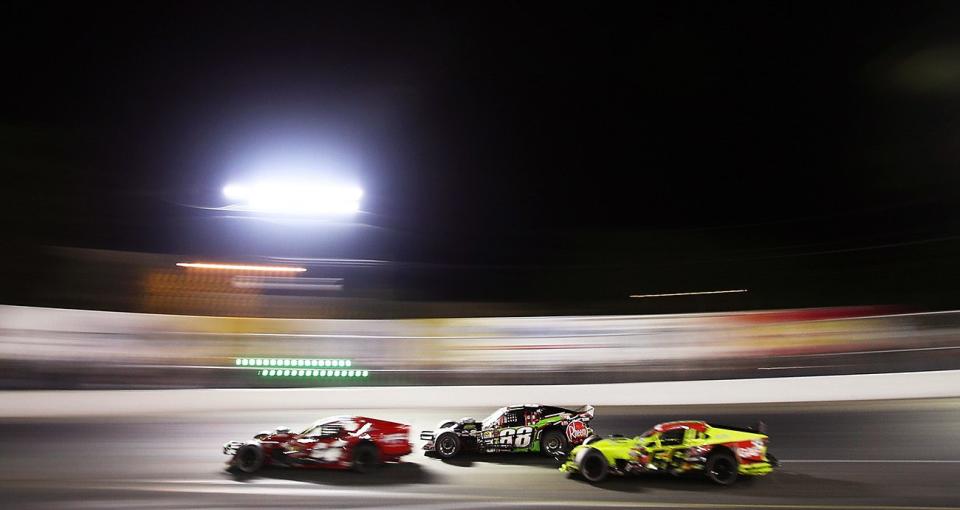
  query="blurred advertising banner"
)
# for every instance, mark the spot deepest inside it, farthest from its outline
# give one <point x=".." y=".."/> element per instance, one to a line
<point x="46" y="347"/>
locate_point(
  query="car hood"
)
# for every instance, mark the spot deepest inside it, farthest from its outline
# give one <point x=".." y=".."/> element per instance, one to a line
<point x="611" y="447"/>
<point x="454" y="423"/>
<point x="615" y="442"/>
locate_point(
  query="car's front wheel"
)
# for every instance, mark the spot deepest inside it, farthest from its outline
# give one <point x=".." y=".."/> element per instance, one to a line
<point x="249" y="458"/>
<point x="593" y="465"/>
<point x="447" y="445"/>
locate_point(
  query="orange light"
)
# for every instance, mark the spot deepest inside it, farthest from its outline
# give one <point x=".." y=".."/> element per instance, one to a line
<point x="242" y="267"/>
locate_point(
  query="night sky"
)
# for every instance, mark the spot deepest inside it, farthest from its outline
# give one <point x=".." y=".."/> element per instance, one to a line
<point x="806" y="149"/>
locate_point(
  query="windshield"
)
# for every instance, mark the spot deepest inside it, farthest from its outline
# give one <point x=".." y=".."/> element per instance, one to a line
<point x="315" y="429"/>
<point x="491" y="420"/>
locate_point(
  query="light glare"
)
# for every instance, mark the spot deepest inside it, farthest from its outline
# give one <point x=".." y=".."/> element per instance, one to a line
<point x="234" y="192"/>
<point x="701" y="293"/>
<point x="294" y="198"/>
<point x="242" y="267"/>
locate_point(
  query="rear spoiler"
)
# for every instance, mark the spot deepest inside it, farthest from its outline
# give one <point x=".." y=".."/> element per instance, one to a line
<point x="585" y="412"/>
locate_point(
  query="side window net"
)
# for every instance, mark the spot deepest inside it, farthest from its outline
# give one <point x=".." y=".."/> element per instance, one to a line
<point x="672" y="437"/>
<point x="513" y="418"/>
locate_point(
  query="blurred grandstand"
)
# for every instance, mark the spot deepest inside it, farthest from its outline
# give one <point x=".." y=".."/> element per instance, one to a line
<point x="100" y="319"/>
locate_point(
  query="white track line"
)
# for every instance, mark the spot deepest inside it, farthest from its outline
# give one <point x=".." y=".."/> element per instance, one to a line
<point x="882" y="351"/>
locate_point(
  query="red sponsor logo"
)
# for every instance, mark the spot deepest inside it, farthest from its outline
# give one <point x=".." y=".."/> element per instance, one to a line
<point x="577" y="431"/>
<point x="749" y="450"/>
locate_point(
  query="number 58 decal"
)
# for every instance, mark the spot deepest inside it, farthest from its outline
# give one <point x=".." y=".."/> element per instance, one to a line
<point x="520" y="437"/>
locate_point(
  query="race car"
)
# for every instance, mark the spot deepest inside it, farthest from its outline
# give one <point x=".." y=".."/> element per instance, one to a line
<point x="720" y="452"/>
<point x="337" y="442"/>
<point x="517" y="428"/>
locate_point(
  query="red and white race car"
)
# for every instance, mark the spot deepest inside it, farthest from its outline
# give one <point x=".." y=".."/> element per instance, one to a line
<point x="337" y="442"/>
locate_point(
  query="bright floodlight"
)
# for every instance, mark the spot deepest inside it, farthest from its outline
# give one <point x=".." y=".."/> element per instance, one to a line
<point x="234" y="192"/>
<point x="294" y="198"/>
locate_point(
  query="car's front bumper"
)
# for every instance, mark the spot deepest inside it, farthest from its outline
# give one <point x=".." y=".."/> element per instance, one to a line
<point x="230" y="448"/>
<point x="755" y="468"/>
<point x="428" y="436"/>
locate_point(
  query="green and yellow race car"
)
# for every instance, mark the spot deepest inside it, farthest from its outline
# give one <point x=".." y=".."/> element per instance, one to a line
<point x="720" y="452"/>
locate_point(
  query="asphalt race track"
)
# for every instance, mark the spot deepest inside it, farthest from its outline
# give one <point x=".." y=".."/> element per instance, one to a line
<point x="852" y="455"/>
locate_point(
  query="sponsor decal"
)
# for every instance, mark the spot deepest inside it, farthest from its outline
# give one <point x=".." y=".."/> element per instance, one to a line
<point x="750" y="450"/>
<point x="324" y="453"/>
<point x="577" y="431"/>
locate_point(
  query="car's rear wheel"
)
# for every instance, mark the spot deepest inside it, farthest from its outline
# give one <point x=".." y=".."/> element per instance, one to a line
<point x="249" y="458"/>
<point x="366" y="458"/>
<point x="593" y="465"/>
<point x="447" y="445"/>
<point x="722" y="468"/>
<point x="553" y="442"/>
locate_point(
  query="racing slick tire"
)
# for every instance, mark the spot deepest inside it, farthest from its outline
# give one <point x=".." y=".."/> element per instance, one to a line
<point x="553" y="442"/>
<point x="249" y="458"/>
<point x="593" y="466"/>
<point x="366" y="458"/>
<point x="722" y="468"/>
<point x="447" y="445"/>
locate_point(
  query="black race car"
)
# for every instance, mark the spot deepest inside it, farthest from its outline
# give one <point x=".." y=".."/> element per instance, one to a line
<point x="518" y="428"/>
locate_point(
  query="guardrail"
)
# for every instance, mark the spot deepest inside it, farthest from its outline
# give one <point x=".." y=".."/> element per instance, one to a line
<point x="60" y="348"/>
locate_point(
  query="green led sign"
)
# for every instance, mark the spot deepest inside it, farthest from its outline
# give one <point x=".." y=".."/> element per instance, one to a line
<point x="292" y="362"/>
<point x="302" y="367"/>
<point x="312" y="372"/>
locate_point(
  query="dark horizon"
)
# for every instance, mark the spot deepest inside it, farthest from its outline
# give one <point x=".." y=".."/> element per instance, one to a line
<point x="795" y="149"/>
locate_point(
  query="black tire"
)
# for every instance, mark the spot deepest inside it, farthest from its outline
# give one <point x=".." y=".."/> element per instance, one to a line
<point x="593" y="466"/>
<point x="553" y="442"/>
<point x="249" y="458"/>
<point x="366" y="458"/>
<point x="447" y="445"/>
<point x="722" y="468"/>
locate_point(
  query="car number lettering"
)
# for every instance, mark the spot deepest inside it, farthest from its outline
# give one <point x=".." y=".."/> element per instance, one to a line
<point x="520" y="437"/>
